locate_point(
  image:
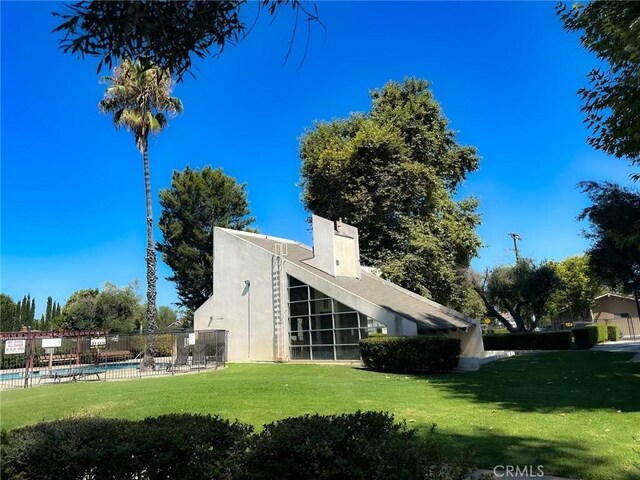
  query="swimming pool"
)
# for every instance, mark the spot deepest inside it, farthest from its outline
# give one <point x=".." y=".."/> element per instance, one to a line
<point x="109" y="367"/>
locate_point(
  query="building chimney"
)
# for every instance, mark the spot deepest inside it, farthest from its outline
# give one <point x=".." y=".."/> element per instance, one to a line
<point x="336" y="250"/>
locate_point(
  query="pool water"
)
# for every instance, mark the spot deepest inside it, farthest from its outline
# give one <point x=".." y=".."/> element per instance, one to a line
<point x="107" y="366"/>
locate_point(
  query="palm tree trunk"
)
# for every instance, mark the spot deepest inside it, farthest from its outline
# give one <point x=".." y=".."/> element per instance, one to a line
<point x="150" y="352"/>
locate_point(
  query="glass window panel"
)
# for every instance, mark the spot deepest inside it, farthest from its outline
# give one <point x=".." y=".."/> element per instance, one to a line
<point x="351" y="352"/>
<point x="322" y="322"/>
<point x="347" y="336"/>
<point x="368" y="322"/>
<point x="300" y="353"/>
<point x="322" y="353"/>
<point x="298" y="309"/>
<point x="298" y="324"/>
<point x="298" y="293"/>
<point x="347" y="320"/>
<point x="322" y="337"/>
<point x="320" y="306"/>
<point x="341" y="307"/>
<point x="294" y="282"/>
<point x="315" y="294"/>
<point x="299" y="338"/>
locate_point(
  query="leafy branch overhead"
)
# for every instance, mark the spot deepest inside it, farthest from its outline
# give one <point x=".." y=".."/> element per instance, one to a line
<point x="610" y="30"/>
<point x="167" y="34"/>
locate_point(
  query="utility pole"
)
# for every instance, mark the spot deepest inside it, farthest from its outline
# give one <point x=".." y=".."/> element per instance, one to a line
<point x="516" y="237"/>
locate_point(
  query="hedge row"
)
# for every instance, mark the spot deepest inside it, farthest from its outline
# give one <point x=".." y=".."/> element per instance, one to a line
<point x="361" y="445"/>
<point x="420" y="354"/>
<point x="603" y="332"/>
<point x="528" y="341"/>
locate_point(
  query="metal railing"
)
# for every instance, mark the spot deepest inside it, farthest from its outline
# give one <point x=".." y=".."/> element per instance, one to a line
<point x="37" y="358"/>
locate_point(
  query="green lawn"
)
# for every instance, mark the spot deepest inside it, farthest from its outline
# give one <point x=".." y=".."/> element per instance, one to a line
<point x="575" y="413"/>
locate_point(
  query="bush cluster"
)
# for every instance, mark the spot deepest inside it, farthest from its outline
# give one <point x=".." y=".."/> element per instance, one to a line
<point x="361" y="445"/>
<point x="528" y="341"/>
<point x="613" y="333"/>
<point x="603" y="332"/>
<point x="420" y="354"/>
<point x="585" y="337"/>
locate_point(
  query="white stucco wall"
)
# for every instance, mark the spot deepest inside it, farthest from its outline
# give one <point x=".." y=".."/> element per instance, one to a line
<point x="245" y="311"/>
<point x="324" y="257"/>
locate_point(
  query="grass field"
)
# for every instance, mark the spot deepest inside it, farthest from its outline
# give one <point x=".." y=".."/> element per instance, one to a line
<point x="575" y="413"/>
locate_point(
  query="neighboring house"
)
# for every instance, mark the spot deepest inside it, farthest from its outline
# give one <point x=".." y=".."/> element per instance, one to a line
<point x="611" y="309"/>
<point x="283" y="301"/>
<point x="618" y="310"/>
<point x="613" y="305"/>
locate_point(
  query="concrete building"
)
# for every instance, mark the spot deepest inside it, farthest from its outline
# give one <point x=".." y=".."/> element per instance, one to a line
<point x="283" y="301"/>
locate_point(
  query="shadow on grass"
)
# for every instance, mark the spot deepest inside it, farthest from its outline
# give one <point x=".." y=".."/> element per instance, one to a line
<point x="486" y="449"/>
<point x="548" y="381"/>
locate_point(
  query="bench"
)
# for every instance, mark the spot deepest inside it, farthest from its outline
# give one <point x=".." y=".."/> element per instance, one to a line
<point x="57" y="358"/>
<point x="73" y="374"/>
<point x="110" y="354"/>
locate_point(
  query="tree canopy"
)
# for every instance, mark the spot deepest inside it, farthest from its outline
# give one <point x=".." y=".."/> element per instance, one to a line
<point x="111" y="309"/>
<point x="196" y="202"/>
<point x="577" y="288"/>
<point x="167" y="34"/>
<point x="521" y="292"/>
<point x="611" y="30"/>
<point x="393" y="172"/>
<point x="614" y="219"/>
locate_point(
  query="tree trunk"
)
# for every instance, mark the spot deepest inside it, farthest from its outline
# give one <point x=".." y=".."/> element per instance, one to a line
<point x="150" y="352"/>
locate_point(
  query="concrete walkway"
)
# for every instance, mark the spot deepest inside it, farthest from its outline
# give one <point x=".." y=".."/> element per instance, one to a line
<point x="628" y="346"/>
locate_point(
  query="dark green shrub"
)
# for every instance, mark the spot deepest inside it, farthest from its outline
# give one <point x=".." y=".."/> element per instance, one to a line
<point x="171" y="446"/>
<point x="361" y="445"/>
<point x="528" y="341"/>
<point x="421" y="354"/>
<point x="613" y="333"/>
<point x="185" y="446"/>
<point x="65" y="449"/>
<point x="585" y="337"/>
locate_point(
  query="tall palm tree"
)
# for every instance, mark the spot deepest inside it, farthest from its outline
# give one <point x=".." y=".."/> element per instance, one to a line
<point x="138" y="96"/>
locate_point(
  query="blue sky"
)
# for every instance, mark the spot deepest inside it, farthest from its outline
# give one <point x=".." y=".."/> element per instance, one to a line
<point x="506" y="75"/>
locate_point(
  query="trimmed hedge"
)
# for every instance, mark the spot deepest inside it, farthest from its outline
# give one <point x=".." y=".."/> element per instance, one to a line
<point x="613" y="333"/>
<point x="585" y="337"/>
<point x="361" y="445"/>
<point x="603" y="332"/>
<point x="170" y="446"/>
<point x="420" y="354"/>
<point x="528" y="341"/>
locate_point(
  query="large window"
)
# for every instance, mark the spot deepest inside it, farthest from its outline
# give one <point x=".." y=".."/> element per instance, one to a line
<point x="321" y="328"/>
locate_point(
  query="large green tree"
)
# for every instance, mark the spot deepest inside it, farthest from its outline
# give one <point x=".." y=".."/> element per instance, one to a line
<point x="519" y="296"/>
<point x="614" y="218"/>
<point x="9" y="314"/>
<point x="198" y="201"/>
<point x="167" y="33"/>
<point x="110" y="309"/>
<point x="138" y="97"/>
<point x="577" y="289"/>
<point x="611" y="30"/>
<point x="393" y="172"/>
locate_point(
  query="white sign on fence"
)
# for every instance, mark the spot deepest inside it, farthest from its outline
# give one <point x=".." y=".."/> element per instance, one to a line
<point x="51" y="342"/>
<point x="98" y="342"/>
<point x="14" y="347"/>
<point x="192" y="339"/>
<point x="49" y="351"/>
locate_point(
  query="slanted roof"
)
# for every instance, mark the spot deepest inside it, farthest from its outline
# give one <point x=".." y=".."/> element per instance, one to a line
<point x="426" y="313"/>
